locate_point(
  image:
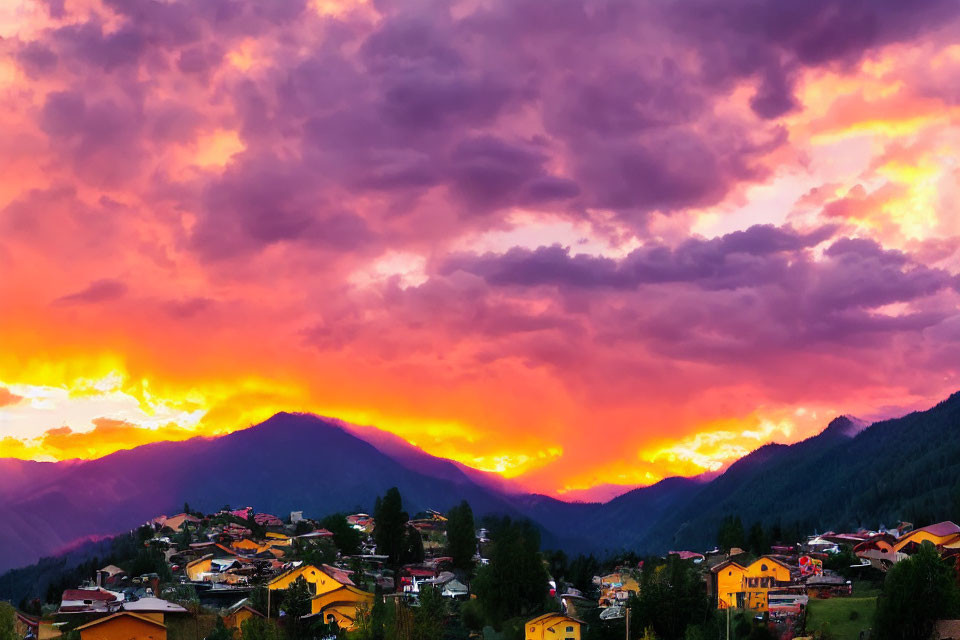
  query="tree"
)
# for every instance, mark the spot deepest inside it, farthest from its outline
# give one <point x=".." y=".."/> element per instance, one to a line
<point x="257" y="628"/>
<point x="461" y="536"/>
<point x="429" y="617"/>
<point x="345" y="537"/>
<point x="731" y="534"/>
<point x="672" y="596"/>
<point x="220" y="632"/>
<point x="390" y="526"/>
<point x="316" y="553"/>
<point x="757" y="541"/>
<point x="296" y="604"/>
<point x="515" y="581"/>
<point x="581" y="572"/>
<point x="412" y="551"/>
<point x="917" y="592"/>
<point x="7" y="622"/>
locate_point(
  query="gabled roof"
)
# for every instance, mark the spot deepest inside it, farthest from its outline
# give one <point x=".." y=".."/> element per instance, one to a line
<point x="550" y="616"/>
<point x="343" y="587"/>
<point x="771" y="559"/>
<point x="240" y="606"/>
<point x="153" y="605"/>
<point x="117" y="615"/>
<point x="940" y="530"/>
<point x="89" y="594"/>
<point x="725" y="564"/>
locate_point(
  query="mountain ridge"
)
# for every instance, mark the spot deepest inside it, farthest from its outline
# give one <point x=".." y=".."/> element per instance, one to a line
<point x="304" y="462"/>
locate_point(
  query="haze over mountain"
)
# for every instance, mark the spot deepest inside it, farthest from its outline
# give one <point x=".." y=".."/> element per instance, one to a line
<point x="906" y="468"/>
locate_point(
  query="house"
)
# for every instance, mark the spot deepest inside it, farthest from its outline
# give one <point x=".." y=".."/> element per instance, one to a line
<point x="553" y="626"/>
<point x="235" y="616"/>
<point x="879" y="551"/>
<point x="124" y="626"/>
<point x="151" y="605"/>
<point x="939" y="534"/>
<point x="267" y="520"/>
<point x="341" y="604"/>
<point x="198" y="568"/>
<point x="828" y="586"/>
<point x="746" y="587"/>
<point x="455" y="589"/>
<point x="88" y="601"/>
<point x="110" y="574"/>
<point x="697" y="558"/>
<point x="246" y="544"/>
<point x="318" y="580"/>
<point x="176" y="522"/>
<point x="617" y="587"/>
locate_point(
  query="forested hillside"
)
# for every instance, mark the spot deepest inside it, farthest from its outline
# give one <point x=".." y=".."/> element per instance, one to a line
<point x="902" y="469"/>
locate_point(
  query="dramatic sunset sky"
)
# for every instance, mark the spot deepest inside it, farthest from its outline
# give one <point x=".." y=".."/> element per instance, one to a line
<point x="577" y="242"/>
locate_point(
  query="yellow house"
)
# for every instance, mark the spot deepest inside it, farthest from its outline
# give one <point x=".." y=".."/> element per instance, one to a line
<point x="318" y="580"/>
<point x="341" y="604"/>
<point x="198" y="567"/>
<point x="248" y="545"/>
<point x="939" y="534"/>
<point x="237" y="615"/>
<point x="747" y="587"/>
<point x="124" y="626"/>
<point x="553" y="626"/>
<point x="278" y="538"/>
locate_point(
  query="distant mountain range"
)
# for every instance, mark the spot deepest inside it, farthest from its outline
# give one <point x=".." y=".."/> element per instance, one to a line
<point x="907" y="468"/>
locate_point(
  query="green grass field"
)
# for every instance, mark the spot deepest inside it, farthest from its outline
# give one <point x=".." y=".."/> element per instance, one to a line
<point x="845" y="617"/>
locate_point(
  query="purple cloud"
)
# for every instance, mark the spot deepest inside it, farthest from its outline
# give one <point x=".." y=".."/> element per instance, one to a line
<point x="96" y="292"/>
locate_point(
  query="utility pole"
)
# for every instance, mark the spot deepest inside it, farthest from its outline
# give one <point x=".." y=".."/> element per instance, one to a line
<point x="728" y="615"/>
<point x="628" y="622"/>
<point x="268" y="604"/>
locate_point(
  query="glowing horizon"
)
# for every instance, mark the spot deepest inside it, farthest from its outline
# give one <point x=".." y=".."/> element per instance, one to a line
<point x="601" y="244"/>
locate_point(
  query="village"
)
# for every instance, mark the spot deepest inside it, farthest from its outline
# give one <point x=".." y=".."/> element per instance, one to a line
<point x="238" y="573"/>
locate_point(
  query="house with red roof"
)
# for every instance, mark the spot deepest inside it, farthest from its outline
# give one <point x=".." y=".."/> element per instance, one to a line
<point x="89" y="601"/>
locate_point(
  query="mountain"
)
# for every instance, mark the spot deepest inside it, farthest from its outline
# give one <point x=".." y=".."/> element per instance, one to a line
<point x="290" y="462"/>
<point x="901" y="469"/>
<point x="907" y="468"/>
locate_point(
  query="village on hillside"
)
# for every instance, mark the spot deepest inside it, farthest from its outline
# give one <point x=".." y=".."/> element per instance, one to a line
<point x="238" y="573"/>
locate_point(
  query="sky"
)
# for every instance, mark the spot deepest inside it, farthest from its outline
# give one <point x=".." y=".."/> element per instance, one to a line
<point x="577" y="242"/>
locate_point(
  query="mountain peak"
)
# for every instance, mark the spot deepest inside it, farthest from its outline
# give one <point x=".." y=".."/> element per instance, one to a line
<point x="846" y="426"/>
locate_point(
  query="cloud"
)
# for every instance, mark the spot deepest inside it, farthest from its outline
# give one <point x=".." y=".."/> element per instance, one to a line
<point x="107" y="435"/>
<point x="254" y="169"/>
<point x="98" y="291"/>
<point x="8" y="398"/>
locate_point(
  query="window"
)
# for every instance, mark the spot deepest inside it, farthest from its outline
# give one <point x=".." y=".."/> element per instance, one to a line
<point x="569" y="629"/>
<point x="763" y="567"/>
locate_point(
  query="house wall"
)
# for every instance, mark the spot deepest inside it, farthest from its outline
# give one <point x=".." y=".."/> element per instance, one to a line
<point x="564" y="629"/>
<point x="124" y="628"/>
<point x="729" y="583"/>
<point x="558" y="627"/>
<point x="322" y="583"/>
<point x="354" y="596"/>
<point x="753" y="581"/>
<point x="197" y="567"/>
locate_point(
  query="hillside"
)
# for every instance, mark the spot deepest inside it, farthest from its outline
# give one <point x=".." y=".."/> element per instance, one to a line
<point x="290" y="462"/>
<point x="902" y="469"/>
<point x="848" y="475"/>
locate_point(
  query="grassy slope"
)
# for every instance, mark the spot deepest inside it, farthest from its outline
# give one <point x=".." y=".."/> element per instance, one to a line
<point x="836" y="613"/>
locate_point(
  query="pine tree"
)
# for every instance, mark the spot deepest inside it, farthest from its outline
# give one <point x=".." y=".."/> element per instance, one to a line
<point x="390" y="526"/>
<point x="461" y="536"/>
